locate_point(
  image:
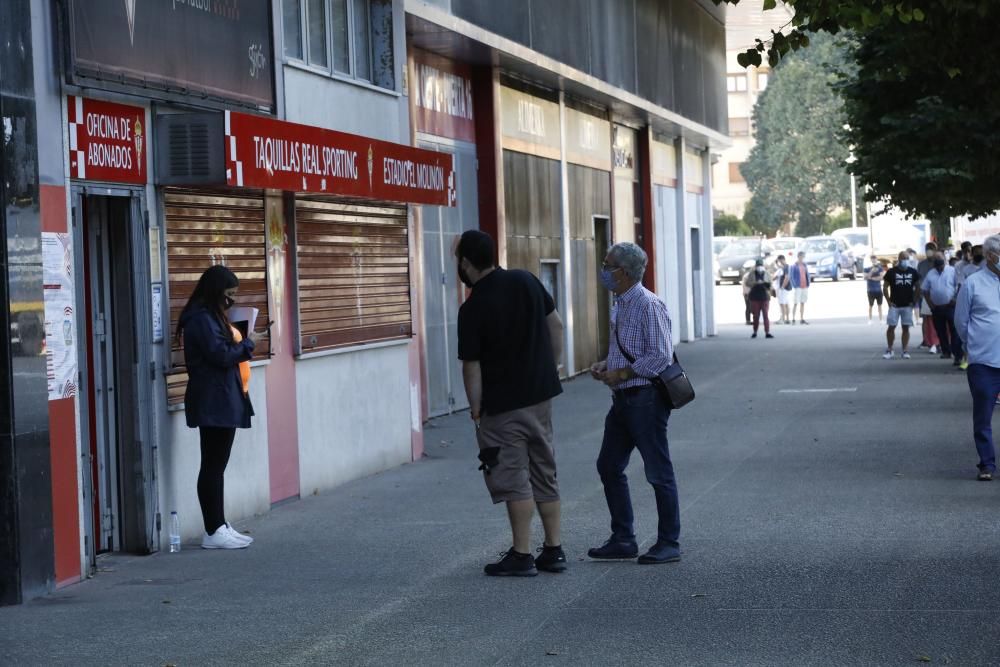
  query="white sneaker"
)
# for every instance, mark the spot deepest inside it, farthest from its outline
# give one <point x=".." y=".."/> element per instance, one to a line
<point x="222" y="539"/>
<point x="238" y="535"/>
<point x="933" y="349"/>
<point x="906" y="355"/>
<point x="889" y="354"/>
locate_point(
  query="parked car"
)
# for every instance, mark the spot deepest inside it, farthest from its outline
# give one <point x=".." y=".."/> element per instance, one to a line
<point x="737" y="258"/>
<point x="828" y="257"/>
<point x="858" y="242"/>
<point x="783" y="245"/>
<point x="719" y="244"/>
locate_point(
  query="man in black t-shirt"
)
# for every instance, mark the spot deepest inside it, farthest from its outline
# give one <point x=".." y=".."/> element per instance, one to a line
<point x="509" y="341"/>
<point x="900" y="287"/>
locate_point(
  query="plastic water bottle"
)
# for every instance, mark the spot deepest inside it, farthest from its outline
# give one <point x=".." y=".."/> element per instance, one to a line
<point x="175" y="533"/>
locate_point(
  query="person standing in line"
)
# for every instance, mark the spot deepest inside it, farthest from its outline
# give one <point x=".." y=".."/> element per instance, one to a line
<point x="974" y="264"/>
<point x="640" y="331"/>
<point x="964" y="257"/>
<point x="873" y="278"/>
<point x="798" y="278"/>
<point x="930" y="338"/>
<point x="758" y="284"/>
<point x="977" y="318"/>
<point x="510" y="340"/>
<point x="939" y="290"/>
<point x="784" y="293"/>
<point x="900" y="286"/>
<point x="216" y="400"/>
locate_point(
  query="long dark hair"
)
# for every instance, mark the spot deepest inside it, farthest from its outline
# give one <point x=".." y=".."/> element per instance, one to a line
<point x="210" y="292"/>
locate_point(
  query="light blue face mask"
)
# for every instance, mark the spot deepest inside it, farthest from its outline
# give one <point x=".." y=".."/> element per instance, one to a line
<point x="608" y="279"/>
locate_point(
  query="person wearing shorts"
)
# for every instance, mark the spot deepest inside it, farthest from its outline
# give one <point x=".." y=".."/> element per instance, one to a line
<point x="873" y="278"/>
<point x="509" y="340"/>
<point x="798" y="279"/>
<point x="785" y="293"/>
<point x="900" y="287"/>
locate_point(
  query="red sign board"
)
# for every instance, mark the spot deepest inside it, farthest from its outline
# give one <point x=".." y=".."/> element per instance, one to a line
<point x="442" y="97"/>
<point x="267" y="153"/>
<point x="107" y="141"/>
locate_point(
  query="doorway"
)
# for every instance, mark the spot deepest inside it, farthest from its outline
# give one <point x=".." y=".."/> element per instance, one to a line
<point x="116" y="372"/>
<point x="602" y="243"/>
<point x="443" y="293"/>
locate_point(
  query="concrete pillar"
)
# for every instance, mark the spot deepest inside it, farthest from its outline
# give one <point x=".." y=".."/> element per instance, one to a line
<point x="684" y="317"/>
<point x="566" y="266"/>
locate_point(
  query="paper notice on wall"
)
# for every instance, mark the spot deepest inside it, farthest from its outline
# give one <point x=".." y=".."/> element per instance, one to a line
<point x="157" y="306"/>
<point x="60" y="315"/>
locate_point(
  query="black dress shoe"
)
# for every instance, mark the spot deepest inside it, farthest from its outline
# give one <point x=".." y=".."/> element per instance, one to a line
<point x="551" y="559"/>
<point x="513" y="564"/>
<point x="660" y="553"/>
<point x="613" y="550"/>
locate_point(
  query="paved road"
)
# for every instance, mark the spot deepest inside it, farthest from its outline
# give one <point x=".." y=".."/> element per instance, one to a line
<point x="838" y="528"/>
<point x="843" y="300"/>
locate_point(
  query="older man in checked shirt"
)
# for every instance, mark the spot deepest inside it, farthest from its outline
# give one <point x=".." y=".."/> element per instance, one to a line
<point x="640" y="331"/>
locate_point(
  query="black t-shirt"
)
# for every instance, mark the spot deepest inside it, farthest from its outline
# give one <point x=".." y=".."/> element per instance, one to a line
<point x="901" y="281"/>
<point x="502" y="326"/>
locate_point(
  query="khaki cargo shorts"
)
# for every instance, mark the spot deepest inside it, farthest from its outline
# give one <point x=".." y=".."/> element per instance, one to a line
<point x="526" y="463"/>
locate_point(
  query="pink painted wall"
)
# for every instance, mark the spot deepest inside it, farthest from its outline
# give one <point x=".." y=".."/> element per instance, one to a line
<point x="282" y="424"/>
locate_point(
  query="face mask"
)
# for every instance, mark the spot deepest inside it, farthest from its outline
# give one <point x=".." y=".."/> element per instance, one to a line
<point x="994" y="265"/>
<point x="608" y="279"/>
<point x="759" y="270"/>
<point x="228" y="301"/>
<point x="463" y="276"/>
<point x="938" y="264"/>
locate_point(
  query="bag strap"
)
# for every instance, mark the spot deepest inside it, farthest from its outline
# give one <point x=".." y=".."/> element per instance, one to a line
<point x="628" y="357"/>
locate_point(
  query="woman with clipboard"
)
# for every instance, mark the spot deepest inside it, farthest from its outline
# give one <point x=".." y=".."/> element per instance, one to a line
<point x="217" y="356"/>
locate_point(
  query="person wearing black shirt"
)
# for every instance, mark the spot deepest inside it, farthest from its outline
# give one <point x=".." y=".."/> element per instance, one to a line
<point x="509" y="341"/>
<point x="900" y="288"/>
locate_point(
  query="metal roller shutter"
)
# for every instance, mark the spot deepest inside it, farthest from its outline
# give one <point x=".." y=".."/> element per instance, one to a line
<point x="353" y="272"/>
<point x="206" y="228"/>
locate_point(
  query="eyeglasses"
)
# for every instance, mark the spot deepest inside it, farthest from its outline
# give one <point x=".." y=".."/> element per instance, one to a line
<point x="609" y="267"/>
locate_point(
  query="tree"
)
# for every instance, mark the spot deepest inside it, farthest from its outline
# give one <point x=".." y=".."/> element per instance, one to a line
<point x="923" y="103"/>
<point x="926" y="138"/>
<point x="796" y="170"/>
<point x="727" y="224"/>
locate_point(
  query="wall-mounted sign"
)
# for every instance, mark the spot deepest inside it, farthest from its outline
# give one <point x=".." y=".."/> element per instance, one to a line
<point x="664" y="164"/>
<point x="217" y="49"/>
<point x="693" y="171"/>
<point x="623" y="150"/>
<point x="588" y="140"/>
<point x="266" y="153"/>
<point x="529" y="124"/>
<point x="442" y="97"/>
<point x="107" y="141"/>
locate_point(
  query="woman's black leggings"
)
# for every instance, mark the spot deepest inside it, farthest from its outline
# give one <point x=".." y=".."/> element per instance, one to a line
<point x="216" y="445"/>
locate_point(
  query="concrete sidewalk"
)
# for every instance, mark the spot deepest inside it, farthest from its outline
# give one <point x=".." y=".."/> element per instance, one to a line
<point x="818" y="528"/>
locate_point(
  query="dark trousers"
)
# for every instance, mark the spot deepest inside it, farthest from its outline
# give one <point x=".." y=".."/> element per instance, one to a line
<point x="638" y="420"/>
<point x="944" y="325"/>
<point x="760" y="308"/>
<point x="984" y="383"/>
<point x="216" y="446"/>
<point x="746" y="301"/>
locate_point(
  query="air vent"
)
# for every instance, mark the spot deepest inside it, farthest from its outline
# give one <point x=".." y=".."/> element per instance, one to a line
<point x="190" y="149"/>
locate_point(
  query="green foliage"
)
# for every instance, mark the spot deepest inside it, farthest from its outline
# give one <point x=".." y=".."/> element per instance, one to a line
<point x="727" y="224"/>
<point x="924" y="105"/>
<point x="925" y="120"/>
<point x="795" y="170"/>
<point x="812" y="16"/>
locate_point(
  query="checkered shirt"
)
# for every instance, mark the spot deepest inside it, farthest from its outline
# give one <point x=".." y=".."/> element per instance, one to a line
<point x="643" y="325"/>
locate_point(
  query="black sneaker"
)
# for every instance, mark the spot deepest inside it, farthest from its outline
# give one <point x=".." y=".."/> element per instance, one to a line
<point x="612" y="550"/>
<point x="552" y="559"/>
<point x="513" y="564"/>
